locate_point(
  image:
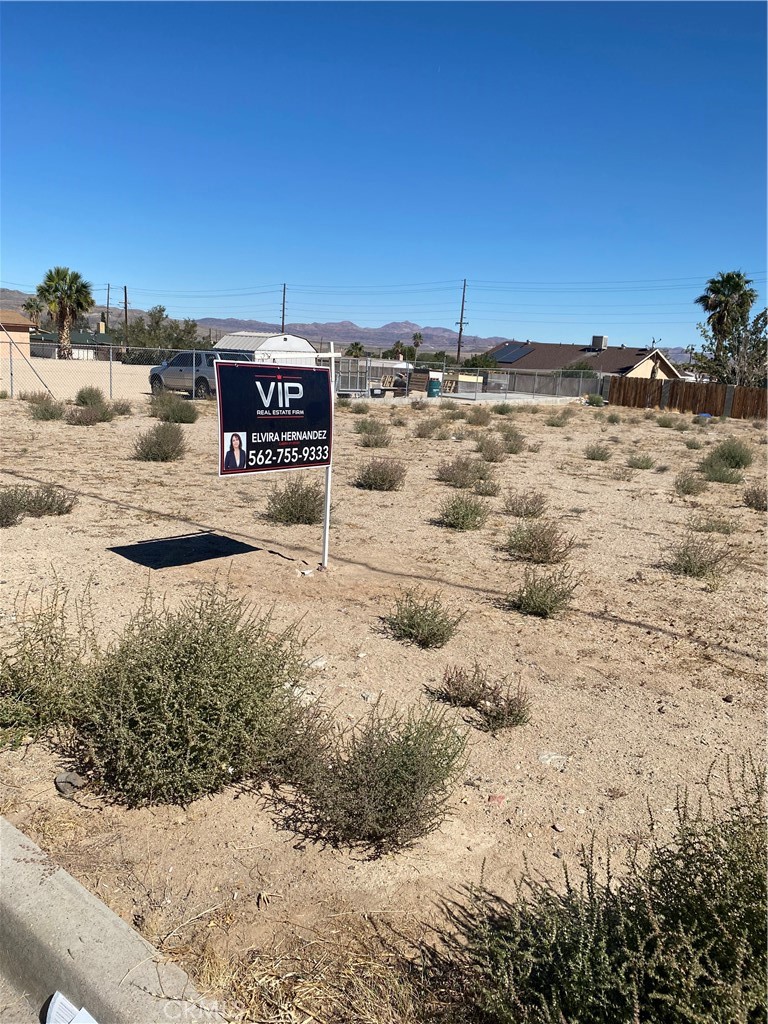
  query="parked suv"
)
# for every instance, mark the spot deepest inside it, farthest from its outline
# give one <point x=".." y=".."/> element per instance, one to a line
<point x="178" y="374"/>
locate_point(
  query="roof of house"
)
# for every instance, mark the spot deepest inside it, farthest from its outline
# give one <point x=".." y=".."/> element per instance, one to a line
<point x="11" y="318"/>
<point x="539" y="355"/>
<point x="253" y="341"/>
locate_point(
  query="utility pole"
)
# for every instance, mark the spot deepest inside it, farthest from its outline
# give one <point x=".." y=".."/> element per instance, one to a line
<point x="282" y="318"/>
<point x="461" y="321"/>
<point x="106" y="322"/>
<point x="125" y="312"/>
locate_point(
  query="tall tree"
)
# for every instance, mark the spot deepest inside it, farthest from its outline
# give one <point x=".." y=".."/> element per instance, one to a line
<point x="355" y="350"/>
<point x="34" y="309"/>
<point x="728" y="299"/>
<point x="67" y="295"/>
<point x="417" y="339"/>
<point x="740" y="357"/>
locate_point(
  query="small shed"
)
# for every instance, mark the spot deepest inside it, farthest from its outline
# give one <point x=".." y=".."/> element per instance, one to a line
<point x="286" y="349"/>
<point x="14" y="327"/>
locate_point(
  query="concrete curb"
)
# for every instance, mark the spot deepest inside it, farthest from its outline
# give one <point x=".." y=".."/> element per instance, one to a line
<point x="54" y="934"/>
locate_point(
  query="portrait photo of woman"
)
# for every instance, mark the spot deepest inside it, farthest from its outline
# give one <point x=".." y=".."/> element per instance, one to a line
<point x="235" y="457"/>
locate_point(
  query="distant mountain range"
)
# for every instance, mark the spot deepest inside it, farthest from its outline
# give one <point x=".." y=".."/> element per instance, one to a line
<point x="342" y="333"/>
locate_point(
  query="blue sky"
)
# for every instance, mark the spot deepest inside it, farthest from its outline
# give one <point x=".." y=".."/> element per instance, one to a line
<point x="586" y="166"/>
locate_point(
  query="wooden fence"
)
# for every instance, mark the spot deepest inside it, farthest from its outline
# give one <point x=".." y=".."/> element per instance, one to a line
<point x="689" y="396"/>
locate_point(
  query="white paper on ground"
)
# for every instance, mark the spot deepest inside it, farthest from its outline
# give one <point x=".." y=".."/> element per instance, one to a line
<point x="61" y="1011"/>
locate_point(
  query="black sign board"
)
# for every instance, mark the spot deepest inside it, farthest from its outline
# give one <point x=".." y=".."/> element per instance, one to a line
<point x="273" y="417"/>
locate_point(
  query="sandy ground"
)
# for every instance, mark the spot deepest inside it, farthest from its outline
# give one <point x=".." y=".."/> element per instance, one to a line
<point x="628" y="687"/>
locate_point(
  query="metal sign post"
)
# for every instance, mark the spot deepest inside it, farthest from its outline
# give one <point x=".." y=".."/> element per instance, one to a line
<point x="276" y="419"/>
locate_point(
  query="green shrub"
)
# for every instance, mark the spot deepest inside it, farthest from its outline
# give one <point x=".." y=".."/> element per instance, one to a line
<point x="542" y="542"/>
<point x="385" y="783"/>
<point x="3" y="394"/>
<point x="89" y="415"/>
<point x="171" y="408"/>
<point x="296" y="501"/>
<point x="595" y="400"/>
<point x="45" y="500"/>
<point x="597" y="453"/>
<point x="367" y="425"/>
<point x="699" y="557"/>
<point x="381" y="475"/>
<point x="503" y="408"/>
<point x="680" y="937"/>
<point x="544" y="593"/>
<point x="359" y="408"/>
<point x="426" y="427"/>
<point x="638" y="461"/>
<point x="756" y="497"/>
<point x="558" y="419"/>
<point x="732" y="453"/>
<point x="463" y="471"/>
<point x="451" y="411"/>
<point x="514" y="441"/>
<point x="693" y="443"/>
<point x="343" y="403"/>
<point x="479" y="416"/>
<point x="613" y="418"/>
<point x="422" y="619"/>
<point x="463" y="512"/>
<point x="718" y="473"/>
<point x="681" y="426"/>
<point x="688" y="483"/>
<point x="526" y="504"/>
<point x="711" y="522"/>
<point x="397" y="419"/>
<point x="491" y="448"/>
<point x="376" y="436"/>
<point x="90" y="395"/>
<point x="46" y="407"/>
<point x="122" y="407"/>
<point x="162" y="443"/>
<point x="498" y="705"/>
<point x="667" y="421"/>
<point x="186" y="702"/>
<point x="487" y="488"/>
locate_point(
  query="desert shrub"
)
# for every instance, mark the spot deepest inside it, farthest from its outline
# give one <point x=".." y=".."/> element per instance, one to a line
<point x="463" y="471"/>
<point x="558" y="419"/>
<point x="479" y="416"/>
<point x="463" y="512"/>
<point x="452" y="411"/>
<point x="534" y="446"/>
<point x="381" y="475"/>
<point x="397" y="419"/>
<point x="732" y="452"/>
<point x="297" y="500"/>
<point x="712" y="522"/>
<point x="756" y="497"/>
<point x="491" y="448"/>
<point x="693" y="443"/>
<point x="45" y="500"/>
<point x="699" y="557"/>
<point x="162" y="443"/>
<point x="542" y="542"/>
<point x="426" y="427"/>
<point x="186" y="702"/>
<point x="386" y="782"/>
<point x="122" y="407"/>
<point x="514" y="441"/>
<point x="46" y="407"/>
<point x="597" y="452"/>
<point x="595" y="400"/>
<point x="443" y="434"/>
<point x="638" y="461"/>
<point x="41" y="668"/>
<point x="681" y="425"/>
<point x="667" y="421"/>
<point x="687" y="483"/>
<point x="3" y="394"/>
<point x="343" y="403"/>
<point x="34" y="397"/>
<point x="703" y="420"/>
<point x="498" y="705"/>
<point x="89" y="415"/>
<point x="377" y="436"/>
<point x="503" y="408"/>
<point x="680" y="937"/>
<point x="422" y="619"/>
<point x="487" y="488"/>
<point x="526" y="504"/>
<point x="367" y="425"/>
<point x="718" y="473"/>
<point x="90" y="395"/>
<point x="544" y="593"/>
<point x="171" y="408"/>
<point x="613" y="418"/>
<point x="419" y="404"/>
<point x="359" y="408"/>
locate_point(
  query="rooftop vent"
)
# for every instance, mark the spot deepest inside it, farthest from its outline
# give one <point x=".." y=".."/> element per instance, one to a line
<point x="599" y="342"/>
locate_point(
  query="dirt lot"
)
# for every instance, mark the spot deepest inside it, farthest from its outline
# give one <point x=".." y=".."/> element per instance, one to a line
<point x="639" y="688"/>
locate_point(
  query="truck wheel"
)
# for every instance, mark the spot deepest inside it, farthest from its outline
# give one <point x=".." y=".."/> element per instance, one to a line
<point x="202" y="388"/>
<point x="156" y="383"/>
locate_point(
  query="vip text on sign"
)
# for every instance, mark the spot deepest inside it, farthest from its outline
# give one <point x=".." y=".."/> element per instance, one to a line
<point x="273" y="417"/>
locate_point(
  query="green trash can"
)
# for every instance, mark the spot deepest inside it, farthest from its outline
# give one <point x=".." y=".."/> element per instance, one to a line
<point x="433" y="388"/>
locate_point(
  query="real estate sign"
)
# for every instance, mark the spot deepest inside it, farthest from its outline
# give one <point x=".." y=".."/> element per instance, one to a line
<point x="273" y="417"/>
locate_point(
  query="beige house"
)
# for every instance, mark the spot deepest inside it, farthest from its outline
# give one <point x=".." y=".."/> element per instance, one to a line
<point x="14" y="327"/>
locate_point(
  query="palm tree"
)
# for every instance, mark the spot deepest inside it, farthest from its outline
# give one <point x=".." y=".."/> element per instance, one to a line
<point x="355" y="350"/>
<point x="67" y="295"/>
<point x="33" y="307"/>
<point x="417" y="339"/>
<point x="728" y="299"/>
